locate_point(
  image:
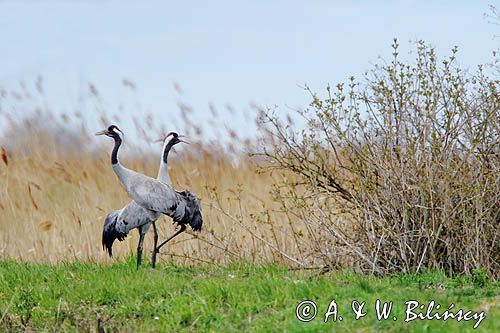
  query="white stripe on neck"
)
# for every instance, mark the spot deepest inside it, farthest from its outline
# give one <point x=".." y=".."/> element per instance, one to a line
<point x="117" y="131"/>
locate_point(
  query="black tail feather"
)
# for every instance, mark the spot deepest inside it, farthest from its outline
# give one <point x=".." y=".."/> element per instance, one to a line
<point x="109" y="232"/>
<point x="196" y="221"/>
<point x="192" y="215"/>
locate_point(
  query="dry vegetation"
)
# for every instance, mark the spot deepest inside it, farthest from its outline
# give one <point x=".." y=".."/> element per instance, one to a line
<point x="56" y="192"/>
<point x="57" y="185"/>
<point x="394" y="174"/>
<point x="412" y="155"/>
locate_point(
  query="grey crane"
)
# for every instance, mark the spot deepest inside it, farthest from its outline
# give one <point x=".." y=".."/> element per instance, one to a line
<point x="120" y="222"/>
<point x="155" y="196"/>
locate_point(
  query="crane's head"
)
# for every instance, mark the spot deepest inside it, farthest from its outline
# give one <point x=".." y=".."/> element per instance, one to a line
<point x="173" y="138"/>
<point x="112" y="131"/>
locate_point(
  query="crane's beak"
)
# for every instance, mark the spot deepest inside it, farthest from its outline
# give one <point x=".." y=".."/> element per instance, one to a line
<point x="182" y="136"/>
<point x="103" y="132"/>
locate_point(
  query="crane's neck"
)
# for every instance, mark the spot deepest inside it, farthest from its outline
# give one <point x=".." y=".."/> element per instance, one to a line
<point x="163" y="175"/>
<point x="126" y="176"/>
<point x="114" y="154"/>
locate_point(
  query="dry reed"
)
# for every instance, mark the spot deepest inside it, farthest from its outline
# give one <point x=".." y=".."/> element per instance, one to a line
<point x="57" y="185"/>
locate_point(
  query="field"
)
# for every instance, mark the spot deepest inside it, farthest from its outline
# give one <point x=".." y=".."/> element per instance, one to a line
<point x="243" y="297"/>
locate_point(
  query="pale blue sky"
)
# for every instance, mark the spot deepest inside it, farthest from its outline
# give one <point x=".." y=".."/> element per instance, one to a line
<point x="221" y="52"/>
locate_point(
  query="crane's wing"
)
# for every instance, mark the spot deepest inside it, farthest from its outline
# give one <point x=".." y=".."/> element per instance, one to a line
<point x="182" y="207"/>
<point x="118" y="223"/>
<point x="156" y="196"/>
<point x="149" y="193"/>
<point x="133" y="216"/>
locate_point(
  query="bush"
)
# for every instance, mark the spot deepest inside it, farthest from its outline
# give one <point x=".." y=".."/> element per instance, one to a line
<point x="398" y="172"/>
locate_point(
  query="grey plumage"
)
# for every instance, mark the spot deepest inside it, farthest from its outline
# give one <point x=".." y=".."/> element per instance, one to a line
<point x="157" y="197"/>
<point x="118" y="224"/>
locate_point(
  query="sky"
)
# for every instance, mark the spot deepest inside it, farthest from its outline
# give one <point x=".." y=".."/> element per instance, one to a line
<point x="221" y="52"/>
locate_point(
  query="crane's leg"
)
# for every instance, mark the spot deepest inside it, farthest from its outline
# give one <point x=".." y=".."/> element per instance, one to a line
<point x="183" y="227"/>
<point x="140" y="246"/>
<point x="153" y="259"/>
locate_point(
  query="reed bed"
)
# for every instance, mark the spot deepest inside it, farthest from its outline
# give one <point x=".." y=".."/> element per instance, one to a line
<point x="57" y="186"/>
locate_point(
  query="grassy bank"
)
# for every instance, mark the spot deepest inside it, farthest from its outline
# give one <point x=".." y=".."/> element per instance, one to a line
<point x="84" y="297"/>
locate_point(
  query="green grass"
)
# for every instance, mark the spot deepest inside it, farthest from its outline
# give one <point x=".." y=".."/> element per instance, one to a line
<point x="238" y="298"/>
